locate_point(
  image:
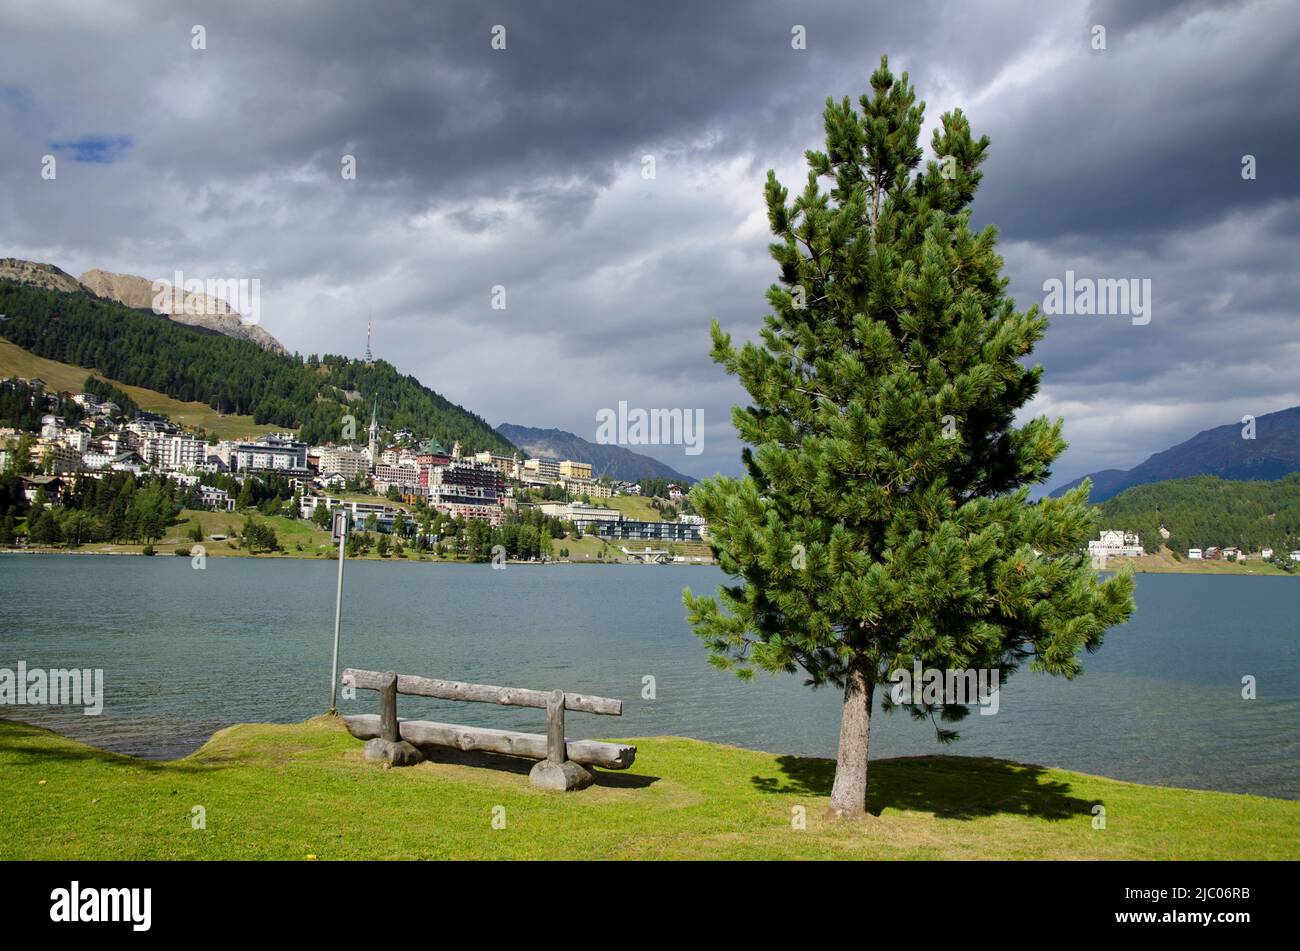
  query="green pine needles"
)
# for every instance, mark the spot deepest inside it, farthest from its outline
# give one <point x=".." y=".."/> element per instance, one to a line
<point x="886" y="517"/>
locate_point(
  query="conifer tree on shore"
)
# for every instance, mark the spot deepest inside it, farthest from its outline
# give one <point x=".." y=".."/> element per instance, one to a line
<point x="885" y="517"/>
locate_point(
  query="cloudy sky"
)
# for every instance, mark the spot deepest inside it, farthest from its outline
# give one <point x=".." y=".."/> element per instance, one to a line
<point x="522" y="167"/>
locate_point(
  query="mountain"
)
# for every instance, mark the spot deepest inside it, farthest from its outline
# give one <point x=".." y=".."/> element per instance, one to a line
<point x="184" y="307"/>
<point x="613" y="461"/>
<point x="195" y="310"/>
<point x="38" y="275"/>
<point x="1222" y="452"/>
<point x="191" y="364"/>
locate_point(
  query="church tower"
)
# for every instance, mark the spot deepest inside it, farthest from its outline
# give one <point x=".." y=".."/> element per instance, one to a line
<point x="374" y="435"/>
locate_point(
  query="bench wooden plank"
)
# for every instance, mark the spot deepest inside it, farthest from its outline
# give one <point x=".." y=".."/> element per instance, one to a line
<point x="481" y="693"/>
<point x="365" y="726"/>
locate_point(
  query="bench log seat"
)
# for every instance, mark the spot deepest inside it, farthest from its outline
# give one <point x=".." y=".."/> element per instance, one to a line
<point x="365" y="726"/>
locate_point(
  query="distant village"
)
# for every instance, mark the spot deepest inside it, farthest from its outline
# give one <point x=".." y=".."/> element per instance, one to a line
<point x="1116" y="543"/>
<point x="398" y="466"/>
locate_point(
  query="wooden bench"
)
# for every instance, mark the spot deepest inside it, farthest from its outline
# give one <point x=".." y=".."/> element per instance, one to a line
<point x="562" y="763"/>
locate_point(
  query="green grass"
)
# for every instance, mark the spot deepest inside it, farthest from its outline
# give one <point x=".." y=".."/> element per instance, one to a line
<point x="291" y="533"/>
<point x="636" y="507"/>
<point x="586" y="548"/>
<point x="303" y="790"/>
<point x="15" y="361"/>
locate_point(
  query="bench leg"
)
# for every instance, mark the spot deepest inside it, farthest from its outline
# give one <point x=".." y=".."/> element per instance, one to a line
<point x="557" y="771"/>
<point x="389" y="745"/>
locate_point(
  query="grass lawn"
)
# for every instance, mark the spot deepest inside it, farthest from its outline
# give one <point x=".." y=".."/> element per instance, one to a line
<point x="586" y="548"/>
<point x="635" y="507"/>
<point x="302" y="790"/>
<point x="291" y="533"/>
<point x="15" y="361"/>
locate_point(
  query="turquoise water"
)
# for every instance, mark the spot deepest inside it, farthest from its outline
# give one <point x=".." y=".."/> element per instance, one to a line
<point x="186" y="652"/>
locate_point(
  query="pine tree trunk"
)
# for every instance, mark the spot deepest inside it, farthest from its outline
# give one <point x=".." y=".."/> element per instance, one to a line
<point x="849" y="794"/>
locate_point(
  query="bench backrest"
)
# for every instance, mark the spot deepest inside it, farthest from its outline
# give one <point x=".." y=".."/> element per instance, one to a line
<point x="480" y="693"/>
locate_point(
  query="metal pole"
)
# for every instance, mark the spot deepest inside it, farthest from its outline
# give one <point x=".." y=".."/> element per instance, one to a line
<point x="338" y="611"/>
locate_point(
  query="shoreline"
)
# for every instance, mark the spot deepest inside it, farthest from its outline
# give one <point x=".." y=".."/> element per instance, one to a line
<point x="200" y="750"/>
<point x="303" y="556"/>
<point x="1228" y="569"/>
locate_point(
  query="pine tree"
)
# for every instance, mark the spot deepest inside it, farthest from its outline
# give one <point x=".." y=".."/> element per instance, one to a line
<point x="885" y="517"/>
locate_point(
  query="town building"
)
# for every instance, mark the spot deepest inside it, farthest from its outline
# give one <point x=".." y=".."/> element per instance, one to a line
<point x="631" y="530"/>
<point x="404" y="478"/>
<point x="510" y="466"/>
<point x="344" y="460"/>
<point x="33" y="485"/>
<point x="361" y="512"/>
<point x="575" y="470"/>
<point x="274" y="452"/>
<point x="577" y="488"/>
<point x="55" y="455"/>
<point x="218" y="500"/>
<point x="77" y="439"/>
<point x="464" y="488"/>
<point x="1114" y="543"/>
<point x="175" y="453"/>
<point x="582" y="516"/>
<point x="544" y="468"/>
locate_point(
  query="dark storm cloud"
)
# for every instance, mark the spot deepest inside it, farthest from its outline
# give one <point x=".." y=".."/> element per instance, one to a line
<point x="522" y="168"/>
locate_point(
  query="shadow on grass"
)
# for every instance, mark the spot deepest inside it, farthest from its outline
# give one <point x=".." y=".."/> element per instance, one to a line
<point x="617" y="779"/>
<point x="950" y="787"/>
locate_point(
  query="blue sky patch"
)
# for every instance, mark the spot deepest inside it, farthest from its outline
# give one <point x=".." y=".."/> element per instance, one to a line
<point x="99" y="149"/>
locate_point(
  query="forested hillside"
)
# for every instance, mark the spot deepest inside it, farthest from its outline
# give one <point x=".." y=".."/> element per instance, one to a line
<point x="1206" y="510"/>
<point x="234" y="376"/>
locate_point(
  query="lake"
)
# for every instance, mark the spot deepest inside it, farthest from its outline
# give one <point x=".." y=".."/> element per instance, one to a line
<point x="186" y="652"/>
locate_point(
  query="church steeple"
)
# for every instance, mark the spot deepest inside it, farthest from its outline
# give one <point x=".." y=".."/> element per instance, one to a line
<point x="374" y="434"/>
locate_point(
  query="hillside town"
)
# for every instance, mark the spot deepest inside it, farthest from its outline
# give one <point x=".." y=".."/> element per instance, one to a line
<point x="385" y="482"/>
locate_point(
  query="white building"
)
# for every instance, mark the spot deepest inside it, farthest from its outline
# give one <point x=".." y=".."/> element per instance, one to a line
<point x="544" y="468"/>
<point x="174" y="453"/>
<point x="51" y="427"/>
<point x="1114" y="543"/>
<point x="1194" y="554"/>
<point x="344" y="460"/>
<point x="278" y="451"/>
<point x="578" y="513"/>
<point x="1266" y="554"/>
<point x="405" y="478"/>
<point x="218" y="500"/>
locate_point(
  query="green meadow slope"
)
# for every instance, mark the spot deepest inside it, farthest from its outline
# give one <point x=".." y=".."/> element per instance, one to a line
<point x="303" y="791"/>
